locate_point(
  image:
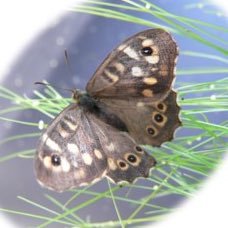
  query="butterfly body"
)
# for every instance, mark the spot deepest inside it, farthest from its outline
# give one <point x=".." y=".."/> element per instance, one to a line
<point x="99" y="109"/>
<point x="128" y="101"/>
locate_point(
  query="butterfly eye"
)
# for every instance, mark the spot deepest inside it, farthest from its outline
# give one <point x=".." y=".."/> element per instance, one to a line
<point x="150" y="131"/>
<point x="146" y="51"/>
<point x="160" y="106"/>
<point x="131" y="158"/>
<point x="138" y="149"/>
<point x="55" y="160"/>
<point x="123" y="165"/>
<point x="158" y="118"/>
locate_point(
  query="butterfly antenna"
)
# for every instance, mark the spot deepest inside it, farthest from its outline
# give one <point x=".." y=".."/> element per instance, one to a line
<point x="75" y="92"/>
<point x="67" y="61"/>
<point x="54" y="86"/>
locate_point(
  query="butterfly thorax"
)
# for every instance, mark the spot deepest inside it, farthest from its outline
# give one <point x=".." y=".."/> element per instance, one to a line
<point x="99" y="109"/>
<point x="84" y="100"/>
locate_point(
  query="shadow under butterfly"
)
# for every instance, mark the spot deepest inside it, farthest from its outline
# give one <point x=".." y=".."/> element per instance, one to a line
<point x="128" y="101"/>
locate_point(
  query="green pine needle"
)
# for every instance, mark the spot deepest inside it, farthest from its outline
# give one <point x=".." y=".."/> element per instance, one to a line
<point x="182" y="163"/>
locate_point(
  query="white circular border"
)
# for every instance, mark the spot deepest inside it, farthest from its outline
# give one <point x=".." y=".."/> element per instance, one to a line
<point x="21" y="21"/>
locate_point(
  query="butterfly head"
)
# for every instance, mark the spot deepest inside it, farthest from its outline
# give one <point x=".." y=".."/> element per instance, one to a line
<point x="77" y="94"/>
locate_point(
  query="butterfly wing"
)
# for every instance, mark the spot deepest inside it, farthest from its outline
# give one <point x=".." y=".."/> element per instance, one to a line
<point x="135" y="83"/>
<point x="133" y="104"/>
<point x="78" y="149"/>
<point x="148" y="122"/>
<point x="68" y="139"/>
<point x="142" y="66"/>
<point x="126" y="161"/>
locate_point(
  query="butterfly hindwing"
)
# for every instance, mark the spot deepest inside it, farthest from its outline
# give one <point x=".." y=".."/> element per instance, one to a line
<point x="151" y="123"/>
<point x="142" y="66"/>
<point x="126" y="160"/>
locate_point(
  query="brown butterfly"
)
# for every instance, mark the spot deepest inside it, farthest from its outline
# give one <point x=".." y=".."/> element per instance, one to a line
<point x="128" y="101"/>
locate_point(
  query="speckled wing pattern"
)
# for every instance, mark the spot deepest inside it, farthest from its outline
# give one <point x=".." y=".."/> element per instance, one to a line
<point x="78" y="149"/>
<point x="64" y="152"/>
<point x="129" y="101"/>
<point x="135" y="82"/>
<point x="151" y="123"/>
<point x="142" y="66"/>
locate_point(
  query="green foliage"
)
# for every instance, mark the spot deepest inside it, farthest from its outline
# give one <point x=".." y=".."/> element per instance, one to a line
<point x="182" y="163"/>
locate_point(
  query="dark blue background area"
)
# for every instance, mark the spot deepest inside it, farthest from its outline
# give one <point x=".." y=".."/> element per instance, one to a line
<point x="88" y="40"/>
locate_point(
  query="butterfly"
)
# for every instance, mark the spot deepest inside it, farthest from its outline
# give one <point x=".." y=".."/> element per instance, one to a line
<point x="129" y="101"/>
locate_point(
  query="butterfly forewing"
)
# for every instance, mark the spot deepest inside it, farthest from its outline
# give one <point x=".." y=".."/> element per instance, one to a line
<point x="135" y="83"/>
<point x="142" y="66"/>
<point x="70" y="140"/>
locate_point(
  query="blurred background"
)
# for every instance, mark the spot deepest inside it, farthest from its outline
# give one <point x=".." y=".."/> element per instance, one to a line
<point x="34" y="38"/>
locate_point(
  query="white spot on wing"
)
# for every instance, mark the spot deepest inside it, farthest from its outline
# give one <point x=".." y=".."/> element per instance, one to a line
<point x="72" y="126"/>
<point x="110" y="147"/>
<point x="140" y="104"/>
<point x="152" y="59"/>
<point x="136" y="71"/>
<point x="147" y="42"/>
<point x="112" y="76"/>
<point x="73" y="148"/>
<point x="63" y="132"/>
<point x="98" y="154"/>
<point x="53" y="145"/>
<point x="87" y="158"/>
<point x="131" y="53"/>
<point x="111" y="164"/>
<point x="153" y="69"/>
<point x="65" y="165"/>
<point x="119" y="66"/>
<point x="47" y="162"/>
<point x="79" y="174"/>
